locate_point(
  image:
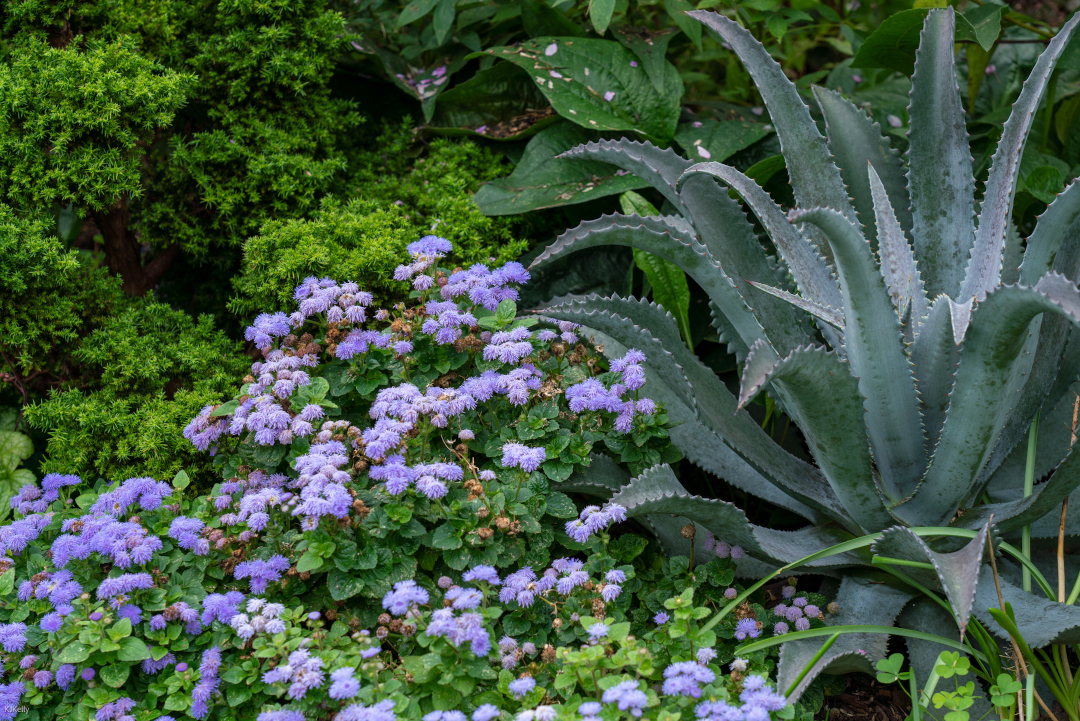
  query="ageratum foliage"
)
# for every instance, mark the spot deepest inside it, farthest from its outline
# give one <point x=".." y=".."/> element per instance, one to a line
<point x="925" y="371"/>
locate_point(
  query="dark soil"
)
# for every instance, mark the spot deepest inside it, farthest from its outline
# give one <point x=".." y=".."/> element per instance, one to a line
<point x="865" y="699"/>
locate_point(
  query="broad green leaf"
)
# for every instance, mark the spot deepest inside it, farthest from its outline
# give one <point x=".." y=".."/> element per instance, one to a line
<point x="668" y="281"/>
<point x="14" y="448"/>
<point x="542" y="20"/>
<point x="677" y="10"/>
<point x="225" y="409"/>
<point x="1044" y="182"/>
<point x="7" y="582"/>
<point x="443" y="20"/>
<point x="310" y="561"/>
<point x="502" y="100"/>
<point x="115" y="675"/>
<point x="1039" y="620"/>
<point x="939" y="173"/>
<point x="600" y="12"/>
<point x="445" y="538"/>
<point x="650" y="47"/>
<point x="181" y="480"/>
<point x="414" y="11"/>
<point x="74" y="652"/>
<point x="593" y="84"/>
<point x="718" y="140"/>
<point x="133" y="649"/>
<point x="238" y="695"/>
<point x="984" y="24"/>
<point x="541" y="180"/>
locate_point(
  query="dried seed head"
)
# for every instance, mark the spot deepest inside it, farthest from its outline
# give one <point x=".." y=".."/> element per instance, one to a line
<point x="689" y="531"/>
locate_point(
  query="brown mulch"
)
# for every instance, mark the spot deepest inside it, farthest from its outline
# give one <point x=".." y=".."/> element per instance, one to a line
<point x="865" y="699"/>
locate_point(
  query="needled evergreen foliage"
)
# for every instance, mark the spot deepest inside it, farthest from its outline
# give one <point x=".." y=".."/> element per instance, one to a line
<point x="153" y="367"/>
<point x="401" y="197"/>
<point x="48" y="299"/>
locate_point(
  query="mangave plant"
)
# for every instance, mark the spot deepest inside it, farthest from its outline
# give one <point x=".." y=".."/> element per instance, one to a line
<point x="930" y="357"/>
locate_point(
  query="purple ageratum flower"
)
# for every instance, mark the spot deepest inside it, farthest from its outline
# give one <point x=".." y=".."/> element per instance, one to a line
<point x="610" y="592"/>
<point x="261" y="573"/>
<point x="96" y="616"/>
<point x="521" y="686"/>
<point x="469" y="626"/>
<point x="65" y="676"/>
<point x="221" y="606"/>
<point x="382" y="711"/>
<point x="597" y="631"/>
<point x="627" y="696"/>
<point x="124" y="585"/>
<point x="87" y="674"/>
<point x="13" y="636"/>
<point x="661" y="618"/>
<point x="802" y="624"/>
<point x="51" y="622"/>
<point x="430" y="245"/>
<point x="343" y="684"/>
<point x="705" y="655"/>
<point x="780" y="628"/>
<point x="404" y="595"/>
<point x="516" y="455"/>
<point x="485" y="574"/>
<point x="131" y="612"/>
<point x="746" y="627"/>
<point x="486" y="712"/>
<point x="685" y="679"/>
<point x="152" y="667"/>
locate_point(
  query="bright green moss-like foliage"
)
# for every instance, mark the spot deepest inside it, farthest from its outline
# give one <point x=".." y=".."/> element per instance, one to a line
<point x="259" y="138"/>
<point x="356" y="240"/>
<point x="47" y="298"/>
<point x="72" y="122"/>
<point x="154" y="367"/>
<point x="436" y="190"/>
<point x="401" y="200"/>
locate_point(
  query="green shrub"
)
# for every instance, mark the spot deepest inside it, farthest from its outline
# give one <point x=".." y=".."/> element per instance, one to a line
<point x="47" y="297"/>
<point x="400" y="199"/>
<point x="436" y="190"/>
<point x="153" y="367"/>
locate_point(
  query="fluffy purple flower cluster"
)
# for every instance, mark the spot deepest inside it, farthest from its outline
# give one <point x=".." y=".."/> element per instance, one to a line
<point x="208" y="682"/>
<point x="265" y="618"/>
<point x="484" y="287"/>
<point x="179" y="611"/>
<point x="260" y="573"/>
<point x="382" y="711"/>
<point x="591" y="395"/>
<point x="515" y="385"/>
<point x="116" y="711"/>
<point x="13" y="636"/>
<point x="466" y="627"/>
<point x="404" y="596"/>
<point x="746" y="628"/>
<point x="185" y="531"/>
<point x="152" y="667"/>
<point x="685" y="678"/>
<point x="757" y="701"/>
<point x="59" y="587"/>
<point x="594" y="519"/>
<point x="16" y="536"/>
<point x="221" y="606"/>
<point x="424" y="253"/>
<point x="31" y="499"/>
<point x="302" y="673"/>
<point x="516" y="455"/>
<point x="429" y="478"/>
<point x="117" y="589"/>
<point x="509" y="346"/>
<point x="627" y="697"/>
<point x="124" y="543"/>
<point x="321" y="483"/>
<point x="343" y="684"/>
